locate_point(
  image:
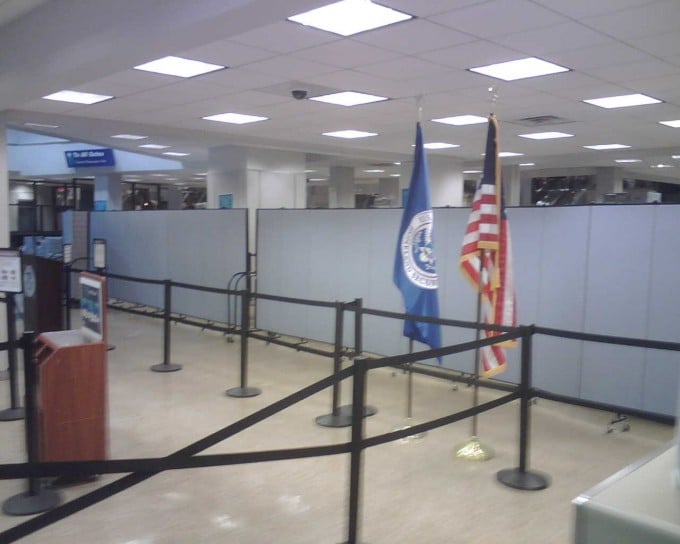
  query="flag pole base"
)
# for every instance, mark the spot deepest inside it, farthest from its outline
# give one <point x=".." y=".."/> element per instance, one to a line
<point x="522" y="479"/>
<point x="474" y="450"/>
<point x="407" y="424"/>
<point x="343" y="416"/>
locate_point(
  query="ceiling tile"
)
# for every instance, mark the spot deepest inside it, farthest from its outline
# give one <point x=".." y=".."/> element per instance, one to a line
<point x="290" y="67"/>
<point x="415" y="36"/>
<point x="500" y="17"/>
<point x="666" y="46"/>
<point x="424" y="8"/>
<point x="468" y="55"/>
<point x="284" y="37"/>
<point x="623" y="73"/>
<point x="540" y="42"/>
<point x="644" y="20"/>
<point x="228" y="53"/>
<point x="584" y="8"/>
<point x="403" y="68"/>
<point x="607" y="54"/>
<point x="346" y="53"/>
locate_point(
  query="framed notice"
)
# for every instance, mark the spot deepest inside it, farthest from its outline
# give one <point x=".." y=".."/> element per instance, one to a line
<point x="99" y="253"/>
<point x="67" y="253"/>
<point x="10" y="271"/>
<point x="93" y="306"/>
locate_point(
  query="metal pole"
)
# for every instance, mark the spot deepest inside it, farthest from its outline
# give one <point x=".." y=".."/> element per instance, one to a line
<point x="67" y="292"/>
<point x="14" y="412"/>
<point x="478" y="335"/>
<point x="356" y="452"/>
<point x="244" y="391"/>
<point x="520" y="477"/>
<point x="166" y="365"/>
<point x="358" y="326"/>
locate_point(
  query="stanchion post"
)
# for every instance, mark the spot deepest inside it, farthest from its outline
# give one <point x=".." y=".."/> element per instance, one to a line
<point x="243" y="391"/>
<point x="36" y="499"/>
<point x="166" y="365"/>
<point x="357" y="448"/>
<point x="521" y="477"/>
<point x="67" y="294"/>
<point x="359" y="325"/>
<point x="335" y="418"/>
<point x="14" y="412"/>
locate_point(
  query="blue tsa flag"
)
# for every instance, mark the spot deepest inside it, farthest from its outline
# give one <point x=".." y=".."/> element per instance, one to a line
<point x="415" y="272"/>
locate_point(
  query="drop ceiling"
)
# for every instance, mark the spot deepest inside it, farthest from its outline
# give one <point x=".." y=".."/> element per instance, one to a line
<point x="612" y="47"/>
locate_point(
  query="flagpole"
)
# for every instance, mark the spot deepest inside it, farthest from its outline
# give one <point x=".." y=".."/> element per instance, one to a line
<point x="408" y="422"/>
<point x="473" y="449"/>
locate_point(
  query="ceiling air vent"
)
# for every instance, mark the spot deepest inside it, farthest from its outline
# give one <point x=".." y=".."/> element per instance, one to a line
<point x="542" y="120"/>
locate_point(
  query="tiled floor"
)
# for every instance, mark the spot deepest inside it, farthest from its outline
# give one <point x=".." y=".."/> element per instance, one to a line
<point x="417" y="492"/>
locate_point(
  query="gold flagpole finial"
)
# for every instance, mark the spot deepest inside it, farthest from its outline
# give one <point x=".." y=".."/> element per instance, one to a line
<point x="493" y="98"/>
<point x="419" y="108"/>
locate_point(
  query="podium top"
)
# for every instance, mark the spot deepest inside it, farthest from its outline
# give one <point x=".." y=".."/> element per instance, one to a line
<point x="74" y="337"/>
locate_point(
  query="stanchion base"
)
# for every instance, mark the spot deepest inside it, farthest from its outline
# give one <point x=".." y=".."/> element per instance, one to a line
<point x="330" y="420"/>
<point x="12" y="414"/>
<point x="407" y="424"/>
<point x="25" y="504"/>
<point x="4" y="375"/>
<point x="243" y="392"/>
<point x="474" y="450"/>
<point x="369" y="411"/>
<point x="517" y="479"/>
<point x="69" y="481"/>
<point x="166" y="367"/>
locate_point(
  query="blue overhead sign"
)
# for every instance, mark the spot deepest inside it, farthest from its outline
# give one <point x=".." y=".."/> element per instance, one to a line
<point x="89" y="157"/>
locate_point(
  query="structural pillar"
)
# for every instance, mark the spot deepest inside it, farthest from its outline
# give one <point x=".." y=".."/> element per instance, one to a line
<point x="341" y="187"/>
<point x="512" y="184"/>
<point x="608" y="179"/>
<point x="108" y="190"/>
<point x="446" y="180"/>
<point x="388" y="188"/>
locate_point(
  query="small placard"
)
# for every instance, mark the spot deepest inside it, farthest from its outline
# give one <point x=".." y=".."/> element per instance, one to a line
<point x="68" y="253"/>
<point x="99" y="253"/>
<point x="10" y="271"/>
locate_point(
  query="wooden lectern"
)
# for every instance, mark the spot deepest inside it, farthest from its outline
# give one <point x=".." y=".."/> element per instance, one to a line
<point x="71" y="392"/>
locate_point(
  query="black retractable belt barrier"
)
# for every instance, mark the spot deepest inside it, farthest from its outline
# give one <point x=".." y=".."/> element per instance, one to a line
<point x="243" y="391"/>
<point x="36" y="499"/>
<point x="14" y="412"/>
<point x="521" y="477"/>
<point x="166" y="365"/>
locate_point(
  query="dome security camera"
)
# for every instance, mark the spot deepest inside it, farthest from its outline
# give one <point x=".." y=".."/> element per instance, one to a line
<point x="299" y="94"/>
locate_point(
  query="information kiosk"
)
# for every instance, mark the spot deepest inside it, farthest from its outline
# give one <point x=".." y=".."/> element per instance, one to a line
<point x="72" y="383"/>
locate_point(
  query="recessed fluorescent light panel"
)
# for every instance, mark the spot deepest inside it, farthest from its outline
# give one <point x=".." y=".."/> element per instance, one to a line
<point x="235" y="118"/>
<point x="374" y="171"/>
<point x="672" y="124"/>
<point x="154" y="146"/>
<point x="606" y="147"/>
<point x="627" y="160"/>
<point x="129" y="136"/>
<point x="76" y="97"/>
<point x="175" y="153"/>
<point x="545" y="135"/>
<point x="622" y="101"/>
<point x="520" y="69"/>
<point x="349" y="17"/>
<point x="472" y="171"/>
<point x="662" y="166"/>
<point x="509" y="154"/>
<point x="527" y="164"/>
<point x="178" y="66"/>
<point x="460" y="120"/>
<point x="439" y="145"/>
<point x="675" y="156"/>
<point x="40" y="125"/>
<point x="350" y="134"/>
<point x="348" y="98"/>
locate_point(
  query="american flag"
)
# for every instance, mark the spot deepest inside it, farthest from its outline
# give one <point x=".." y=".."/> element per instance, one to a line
<point x="487" y="243"/>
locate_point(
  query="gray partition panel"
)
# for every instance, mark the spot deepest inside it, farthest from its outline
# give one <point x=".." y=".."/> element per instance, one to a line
<point x="199" y="247"/>
<point x="661" y="367"/>
<point x="617" y="290"/>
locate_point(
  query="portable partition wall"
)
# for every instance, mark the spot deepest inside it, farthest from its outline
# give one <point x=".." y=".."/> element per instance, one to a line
<point x="599" y="269"/>
<point x="199" y="247"/>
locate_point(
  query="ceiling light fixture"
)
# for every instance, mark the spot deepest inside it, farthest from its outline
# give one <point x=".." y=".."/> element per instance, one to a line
<point x="349" y="17"/>
<point x="460" y="120"/>
<point x="348" y="98"/>
<point x="235" y="118"/>
<point x="520" y="69"/>
<point x="622" y="101"/>
<point x="154" y="146"/>
<point x="175" y="153"/>
<point x="662" y="166"/>
<point x="178" y="66"/>
<point x="509" y="154"/>
<point x="350" y="134"/>
<point x="673" y="124"/>
<point x="374" y="171"/>
<point x="527" y="164"/>
<point x="129" y="136"/>
<point x="77" y="97"/>
<point x="40" y="125"/>
<point x="545" y="135"/>
<point x="627" y="160"/>
<point x="472" y="171"/>
<point x="606" y="147"/>
<point x="439" y="145"/>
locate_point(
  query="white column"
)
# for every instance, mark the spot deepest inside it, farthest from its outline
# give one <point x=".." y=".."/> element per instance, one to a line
<point x="446" y="181"/>
<point x="512" y="184"/>
<point x="341" y="187"/>
<point x="389" y="188"/>
<point x="608" y="179"/>
<point x="227" y="175"/>
<point x="108" y="189"/>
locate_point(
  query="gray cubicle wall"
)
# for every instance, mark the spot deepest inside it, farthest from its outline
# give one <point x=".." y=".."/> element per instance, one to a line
<point x="599" y="269"/>
<point x="200" y="247"/>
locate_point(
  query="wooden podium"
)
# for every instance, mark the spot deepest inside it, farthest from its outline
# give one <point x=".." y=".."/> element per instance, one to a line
<point x="71" y="397"/>
<point x="71" y="383"/>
